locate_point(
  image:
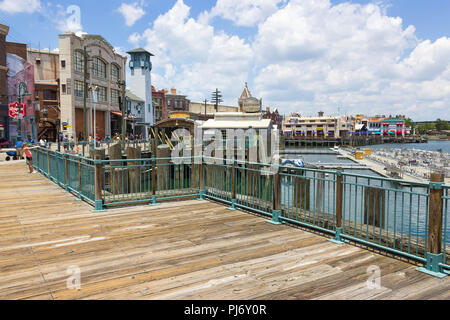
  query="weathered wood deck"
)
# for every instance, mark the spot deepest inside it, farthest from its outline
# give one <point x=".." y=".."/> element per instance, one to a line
<point x="178" y="250"/>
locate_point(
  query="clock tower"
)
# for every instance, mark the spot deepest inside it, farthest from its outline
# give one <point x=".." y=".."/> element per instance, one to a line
<point x="141" y="83"/>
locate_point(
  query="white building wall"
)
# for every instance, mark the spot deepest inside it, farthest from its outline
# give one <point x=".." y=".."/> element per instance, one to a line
<point x="140" y="85"/>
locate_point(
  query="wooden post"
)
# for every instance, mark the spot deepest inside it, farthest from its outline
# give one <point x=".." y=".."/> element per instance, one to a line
<point x="276" y="200"/>
<point x="435" y="214"/>
<point x="434" y="256"/>
<point x="374" y="207"/>
<point x="134" y="173"/>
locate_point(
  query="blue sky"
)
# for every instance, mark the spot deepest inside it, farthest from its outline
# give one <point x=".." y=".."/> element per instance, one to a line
<point x="298" y="55"/>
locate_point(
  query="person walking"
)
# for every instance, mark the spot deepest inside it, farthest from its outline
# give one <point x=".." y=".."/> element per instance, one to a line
<point x="29" y="156"/>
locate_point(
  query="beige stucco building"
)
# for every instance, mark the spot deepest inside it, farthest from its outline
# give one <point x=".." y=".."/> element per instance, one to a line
<point x="199" y="108"/>
<point x="331" y="126"/>
<point x="105" y="68"/>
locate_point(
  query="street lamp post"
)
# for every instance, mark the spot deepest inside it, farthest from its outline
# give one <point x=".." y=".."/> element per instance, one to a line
<point x="22" y="85"/>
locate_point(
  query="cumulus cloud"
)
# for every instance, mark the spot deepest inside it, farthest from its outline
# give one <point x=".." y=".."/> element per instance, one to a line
<point x="306" y="55"/>
<point x="193" y="56"/>
<point x="313" y="55"/>
<point x="20" y="6"/>
<point x="131" y="12"/>
<point x="69" y="19"/>
<point x="242" y="12"/>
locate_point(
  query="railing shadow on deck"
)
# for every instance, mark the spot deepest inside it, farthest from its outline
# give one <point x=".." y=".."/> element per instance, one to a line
<point x="401" y="217"/>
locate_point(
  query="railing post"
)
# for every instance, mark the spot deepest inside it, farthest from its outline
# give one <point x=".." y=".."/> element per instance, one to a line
<point x="98" y="186"/>
<point x="48" y="163"/>
<point x="276" y="199"/>
<point x="339" y="197"/>
<point x="38" y="151"/>
<point x="433" y="254"/>
<point x="66" y="172"/>
<point x="79" y="180"/>
<point x="202" y="191"/>
<point x="233" y="186"/>
<point x="154" y="183"/>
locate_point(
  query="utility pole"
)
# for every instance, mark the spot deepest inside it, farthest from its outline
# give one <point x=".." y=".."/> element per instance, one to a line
<point x="123" y="105"/>
<point x="206" y="101"/>
<point x="85" y="93"/>
<point x="216" y="99"/>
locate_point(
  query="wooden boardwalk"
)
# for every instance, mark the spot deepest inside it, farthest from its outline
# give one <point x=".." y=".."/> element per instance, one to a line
<point x="178" y="250"/>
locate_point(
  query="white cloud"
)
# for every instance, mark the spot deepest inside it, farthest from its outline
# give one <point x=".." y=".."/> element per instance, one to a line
<point x="306" y="55"/>
<point x="68" y="19"/>
<point x="19" y="6"/>
<point x="313" y="55"/>
<point x="131" y="12"/>
<point x="193" y="57"/>
<point x="242" y="12"/>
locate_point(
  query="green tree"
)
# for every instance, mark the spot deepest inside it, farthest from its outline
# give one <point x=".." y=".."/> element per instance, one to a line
<point x="442" y="125"/>
<point x="424" y="127"/>
<point x="410" y="123"/>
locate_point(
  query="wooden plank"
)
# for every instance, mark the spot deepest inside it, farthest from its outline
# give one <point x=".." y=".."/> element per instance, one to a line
<point x="178" y="250"/>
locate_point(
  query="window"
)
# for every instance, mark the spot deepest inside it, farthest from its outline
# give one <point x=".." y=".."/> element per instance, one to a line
<point x="63" y="63"/>
<point x="49" y="95"/>
<point x="79" y="89"/>
<point x="98" y="68"/>
<point x="115" y="73"/>
<point x="114" y="96"/>
<point x="101" y="94"/>
<point x="63" y="88"/>
<point x="79" y="61"/>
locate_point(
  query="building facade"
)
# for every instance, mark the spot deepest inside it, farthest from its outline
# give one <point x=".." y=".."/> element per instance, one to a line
<point x="208" y="110"/>
<point x="394" y="127"/>
<point x="4" y="117"/>
<point x="135" y="114"/>
<point x="277" y="119"/>
<point x="47" y="95"/>
<point x="105" y="70"/>
<point x="320" y="126"/>
<point x="176" y="102"/>
<point x="160" y="104"/>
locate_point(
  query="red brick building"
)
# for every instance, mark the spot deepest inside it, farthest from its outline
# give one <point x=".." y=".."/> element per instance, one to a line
<point x="276" y="118"/>
<point x="176" y="102"/>
<point x="160" y="104"/>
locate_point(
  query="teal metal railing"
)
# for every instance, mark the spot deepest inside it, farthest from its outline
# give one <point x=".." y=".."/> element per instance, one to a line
<point x="446" y="223"/>
<point x="388" y="214"/>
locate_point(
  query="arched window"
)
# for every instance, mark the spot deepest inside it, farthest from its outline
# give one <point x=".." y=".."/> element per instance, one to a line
<point x="115" y="73"/>
<point x="98" y="68"/>
<point x="79" y="61"/>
